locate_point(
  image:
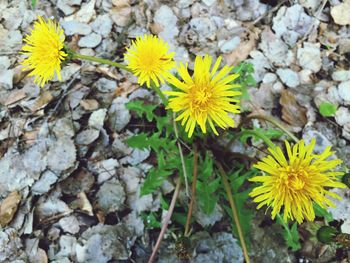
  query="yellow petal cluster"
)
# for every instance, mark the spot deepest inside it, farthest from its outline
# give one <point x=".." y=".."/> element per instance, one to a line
<point x="44" y="47"/>
<point x="294" y="182"/>
<point x="149" y="60"/>
<point x="208" y="96"/>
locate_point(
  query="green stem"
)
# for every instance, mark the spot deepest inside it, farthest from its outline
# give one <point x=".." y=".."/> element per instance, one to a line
<point x="160" y="94"/>
<point x="100" y="60"/>
<point x="234" y="211"/>
<point x="257" y="134"/>
<point x="275" y="122"/>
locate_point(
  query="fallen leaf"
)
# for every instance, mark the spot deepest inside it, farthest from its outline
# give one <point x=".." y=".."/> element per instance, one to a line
<point x="89" y="104"/>
<point x="292" y="112"/>
<point x="84" y="204"/>
<point x="14" y="96"/>
<point x="8" y="208"/>
<point x="44" y="98"/>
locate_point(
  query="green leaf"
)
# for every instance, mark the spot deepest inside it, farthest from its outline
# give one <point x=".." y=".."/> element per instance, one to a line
<point x="150" y="220"/>
<point x="327" y="109"/>
<point x="321" y="212"/>
<point x="142" y="141"/>
<point x="269" y="133"/>
<point x="33" y="3"/>
<point x="291" y="235"/>
<point x="154" y="179"/>
<point x="141" y="108"/>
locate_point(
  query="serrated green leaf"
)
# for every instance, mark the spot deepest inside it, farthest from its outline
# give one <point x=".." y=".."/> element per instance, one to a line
<point x="141" y="108"/>
<point x="291" y="235"/>
<point x="154" y="179"/>
<point x="327" y="109"/>
<point x="142" y="141"/>
<point x="34" y="3"/>
<point x="269" y="133"/>
<point x="150" y="220"/>
<point x="321" y="212"/>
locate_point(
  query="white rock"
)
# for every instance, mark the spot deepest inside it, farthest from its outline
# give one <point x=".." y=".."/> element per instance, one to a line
<point x="5" y="62"/>
<point x="87" y="136"/>
<point x="260" y="63"/>
<point x="321" y="140"/>
<point x="340" y="13"/>
<point x="342" y="116"/>
<point x="97" y="118"/>
<point x="102" y="25"/>
<point x="208" y="220"/>
<point x="341" y="211"/>
<point x="292" y="23"/>
<point x="204" y="27"/>
<point x="86" y="12"/>
<point x="229" y="45"/>
<point x="309" y="57"/>
<point x="106" y="85"/>
<point x="111" y="196"/>
<point x="61" y="154"/>
<point x="208" y="2"/>
<point x="344" y="91"/>
<point x="12" y="20"/>
<point x="310" y="4"/>
<point x="105" y="169"/>
<point x="43" y="185"/>
<point x="69" y="224"/>
<point x="6" y="77"/>
<point x="68" y="71"/>
<point x="269" y="78"/>
<point x="11" y="40"/>
<point x="92" y="40"/>
<point x="66" y="6"/>
<point x="119" y="116"/>
<point x="341" y="75"/>
<point x="165" y="17"/>
<point x="75" y="27"/>
<point x="346" y="131"/>
<point x="345" y="227"/>
<point x="288" y="77"/>
<point x="305" y="76"/>
<point x="184" y="3"/>
<point x="277" y="88"/>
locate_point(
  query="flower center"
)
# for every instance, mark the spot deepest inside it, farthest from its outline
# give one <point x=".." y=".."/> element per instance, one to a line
<point x="293" y="178"/>
<point x="201" y="97"/>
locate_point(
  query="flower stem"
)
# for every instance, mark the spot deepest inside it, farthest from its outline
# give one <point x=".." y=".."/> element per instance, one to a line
<point x="257" y="134"/>
<point x="193" y="190"/>
<point x="234" y="211"/>
<point x="100" y="60"/>
<point x="275" y="122"/>
<point x="166" y="221"/>
<point x="160" y="93"/>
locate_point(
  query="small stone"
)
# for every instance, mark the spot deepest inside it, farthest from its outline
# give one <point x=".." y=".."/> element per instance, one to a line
<point x="344" y="91"/>
<point x="92" y="40"/>
<point x="288" y="77"/>
<point x="309" y="57"/>
<point x="6" y="79"/>
<point x="342" y="116"/>
<point x="340" y="13"/>
<point x="97" y="118"/>
<point x="69" y="224"/>
<point x="68" y="71"/>
<point x="111" y="196"/>
<point x="305" y="76"/>
<point x="66" y="6"/>
<point x="102" y="25"/>
<point x="75" y="27"/>
<point x="229" y="45"/>
<point x="165" y="17"/>
<point x="106" y="85"/>
<point x="61" y="154"/>
<point x="277" y="88"/>
<point x="43" y="185"/>
<point x="184" y="3"/>
<point x="121" y="16"/>
<point x="119" y="116"/>
<point x="104" y="169"/>
<point x="86" y="137"/>
<point x="5" y="62"/>
<point x="310" y="4"/>
<point x="341" y="75"/>
<point x="204" y="27"/>
<point x="269" y="78"/>
<point x="321" y="140"/>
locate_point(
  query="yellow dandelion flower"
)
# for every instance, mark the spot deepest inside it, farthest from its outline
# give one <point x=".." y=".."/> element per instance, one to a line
<point x="207" y="96"/>
<point x="296" y="182"/>
<point x="149" y="60"/>
<point x="44" y="49"/>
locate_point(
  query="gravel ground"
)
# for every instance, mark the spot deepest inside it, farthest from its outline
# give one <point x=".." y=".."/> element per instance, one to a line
<point x="63" y="160"/>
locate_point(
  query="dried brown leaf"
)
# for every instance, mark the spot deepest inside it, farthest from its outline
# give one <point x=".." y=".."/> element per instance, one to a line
<point x="44" y="98"/>
<point x="292" y="112"/>
<point x="8" y="208"/>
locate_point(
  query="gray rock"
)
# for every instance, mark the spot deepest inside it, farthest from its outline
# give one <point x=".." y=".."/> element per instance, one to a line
<point x="260" y="63"/>
<point x="67" y="248"/>
<point x="342" y="116"/>
<point x="229" y="45"/>
<point x="68" y="72"/>
<point x="184" y="3"/>
<point x="208" y="2"/>
<point x="165" y="17"/>
<point x="206" y="220"/>
<point x="61" y="154"/>
<point x="204" y="27"/>
<point x="12" y="20"/>
<point x="66" y="6"/>
<point x="6" y="77"/>
<point x="11" y="247"/>
<point x="291" y="23"/>
<point x="87" y="136"/>
<point x="73" y="27"/>
<point x="51" y="206"/>
<point x="309" y="57"/>
<point x="119" y="116"/>
<point x="96" y="119"/>
<point x="111" y="196"/>
<point x="92" y="40"/>
<point x="288" y="77"/>
<point x="269" y="78"/>
<point x="5" y="62"/>
<point x="305" y="76"/>
<point x="104" y="169"/>
<point x="341" y="75"/>
<point x="102" y="25"/>
<point x="11" y="40"/>
<point x="69" y="224"/>
<point x="64" y="127"/>
<point x="310" y="4"/>
<point x="322" y="142"/>
<point x="344" y="91"/>
<point x="106" y="85"/>
<point x="43" y="185"/>
<point x="341" y="210"/>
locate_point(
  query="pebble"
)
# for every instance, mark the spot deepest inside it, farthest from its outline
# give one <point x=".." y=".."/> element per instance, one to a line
<point x="229" y="45"/>
<point x="165" y="17"/>
<point x="340" y="13"/>
<point x="184" y="3"/>
<point x="208" y="2"/>
<point x="66" y="6"/>
<point x="322" y="142"/>
<point x="97" y="118"/>
<point x="5" y="62"/>
<point x="204" y="27"/>
<point x="309" y="57"/>
<point x="342" y="116"/>
<point x="111" y="196"/>
<point x="75" y="27"/>
<point x="121" y="16"/>
<point x="6" y="77"/>
<point x="305" y="76"/>
<point x="341" y="75"/>
<point x="288" y="77"/>
<point x="102" y="25"/>
<point x="86" y="137"/>
<point x="344" y="91"/>
<point x="119" y="116"/>
<point x="92" y="40"/>
<point x="269" y="78"/>
<point x="106" y="85"/>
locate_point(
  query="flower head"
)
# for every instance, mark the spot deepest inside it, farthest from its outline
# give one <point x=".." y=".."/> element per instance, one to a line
<point x="206" y="96"/>
<point x="297" y="181"/>
<point x="44" y="49"/>
<point x="149" y="60"/>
